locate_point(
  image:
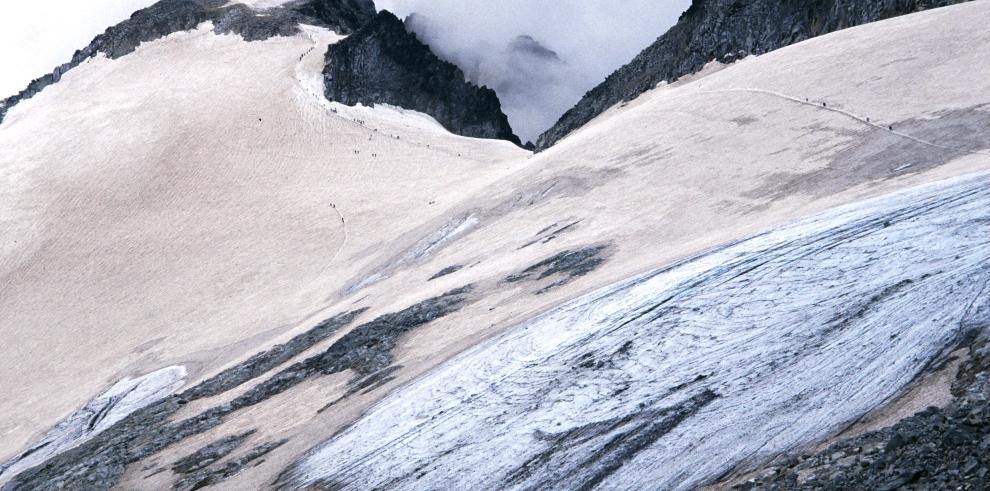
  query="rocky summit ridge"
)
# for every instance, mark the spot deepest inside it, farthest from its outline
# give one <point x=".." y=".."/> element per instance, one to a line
<point x="380" y="63"/>
<point x="169" y="16"/>
<point x="385" y="63"/>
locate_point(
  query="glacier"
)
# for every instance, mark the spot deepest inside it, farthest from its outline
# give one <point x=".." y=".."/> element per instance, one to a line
<point x="678" y="376"/>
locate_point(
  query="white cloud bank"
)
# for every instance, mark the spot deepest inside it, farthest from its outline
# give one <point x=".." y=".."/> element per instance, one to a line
<point x="592" y="38"/>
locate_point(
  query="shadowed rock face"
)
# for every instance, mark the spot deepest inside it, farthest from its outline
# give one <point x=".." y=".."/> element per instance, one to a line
<point x="725" y="30"/>
<point x="170" y="16"/>
<point x="385" y="64"/>
<point x="343" y="16"/>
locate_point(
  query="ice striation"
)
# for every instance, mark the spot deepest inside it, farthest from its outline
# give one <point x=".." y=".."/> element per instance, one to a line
<point x="120" y="400"/>
<point x="675" y="377"/>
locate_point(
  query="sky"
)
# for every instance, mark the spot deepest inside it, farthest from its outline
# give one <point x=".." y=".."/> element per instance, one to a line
<point x="540" y="56"/>
<point x="35" y="37"/>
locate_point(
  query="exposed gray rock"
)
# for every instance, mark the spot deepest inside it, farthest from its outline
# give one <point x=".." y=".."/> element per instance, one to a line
<point x="446" y="271"/>
<point x="383" y="63"/>
<point x="725" y="30"/>
<point x="170" y="16"/>
<point x="99" y="414"/>
<point x="209" y="454"/>
<point x="343" y="16"/>
<point x="265" y="361"/>
<point x="570" y="264"/>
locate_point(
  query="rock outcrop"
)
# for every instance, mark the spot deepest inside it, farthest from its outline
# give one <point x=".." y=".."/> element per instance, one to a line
<point x="343" y="16"/>
<point x="725" y="30"/>
<point x="383" y="63"/>
<point x="169" y="16"/>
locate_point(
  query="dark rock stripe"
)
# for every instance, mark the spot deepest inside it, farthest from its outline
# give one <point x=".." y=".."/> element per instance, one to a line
<point x="446" y="271"/>
<point x="571" y="263"/>
<point x="209" y="454"/>
<point x="210" y="477"/>
<point x="261" y="363"/>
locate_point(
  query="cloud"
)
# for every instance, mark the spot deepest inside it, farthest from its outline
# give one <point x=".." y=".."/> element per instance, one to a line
<point x="35" y="37"/>
<point x="540" y="56"/>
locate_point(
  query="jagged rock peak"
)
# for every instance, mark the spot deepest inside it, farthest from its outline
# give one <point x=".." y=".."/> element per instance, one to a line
<point x="383" y="63"/>
<point x="169" y="16"/>
<point x="725" y="30"/>
<point x="343" y="16"/>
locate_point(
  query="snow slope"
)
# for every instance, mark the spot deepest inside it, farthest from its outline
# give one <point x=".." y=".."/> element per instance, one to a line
<point x="197" y="201"/>
<point x="174" y="203"/>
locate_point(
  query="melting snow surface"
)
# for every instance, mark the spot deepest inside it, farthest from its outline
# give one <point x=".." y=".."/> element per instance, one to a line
<point x="679" y="375"/>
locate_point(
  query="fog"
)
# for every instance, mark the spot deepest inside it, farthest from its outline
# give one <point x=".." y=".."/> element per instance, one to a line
<point x="540" y="56"/>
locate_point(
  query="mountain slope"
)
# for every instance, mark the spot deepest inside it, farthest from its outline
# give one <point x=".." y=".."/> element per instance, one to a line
<point x="724" y="30"/>
<point x="291" y="262"/>
<point x="230" y="156"/>
<point x="168" y="16"/>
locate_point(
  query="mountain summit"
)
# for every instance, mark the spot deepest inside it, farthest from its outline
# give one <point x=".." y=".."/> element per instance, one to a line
<point x="384" y="63"/>
<point x="169" y="16"/>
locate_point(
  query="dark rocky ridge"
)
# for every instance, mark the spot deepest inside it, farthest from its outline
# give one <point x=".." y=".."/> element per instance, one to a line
<point x="170" y="16"/>
<point x="383" y="63"/>
<point x="725" y="30"/>
<point x="210" y="454"/>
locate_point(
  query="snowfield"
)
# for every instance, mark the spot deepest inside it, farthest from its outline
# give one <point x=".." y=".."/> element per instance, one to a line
<point x="728" y="267"/>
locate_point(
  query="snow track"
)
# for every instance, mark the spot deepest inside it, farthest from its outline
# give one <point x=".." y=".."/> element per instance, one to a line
<point x="675" y="377"/>
<point x="823" y="105"/>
